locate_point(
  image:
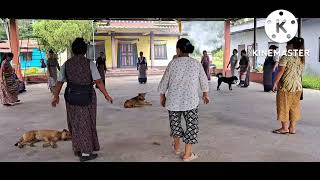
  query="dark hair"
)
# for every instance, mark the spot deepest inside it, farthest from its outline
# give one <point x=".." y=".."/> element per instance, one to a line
<point x="79" y="47"/>
<point x="50" y="51"/>
<point x="185" y="46"/>
<point x="243" y="52"/>
<point x="5" y="57"/>
<point x="234" y="50"/>
<point x="141" y="52"/>
<point x="9" y="55"/>
<point x="204" y="51"/>
<point x="297" y="43"/>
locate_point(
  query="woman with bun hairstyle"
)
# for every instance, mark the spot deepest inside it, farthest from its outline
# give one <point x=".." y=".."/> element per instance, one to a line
<point x="179" y="95"/>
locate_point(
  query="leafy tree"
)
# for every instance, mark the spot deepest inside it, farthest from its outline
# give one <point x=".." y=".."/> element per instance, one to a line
<point x="3" y="35"/>
<point x="25" y="28"/>
<point x="58" y="35"/>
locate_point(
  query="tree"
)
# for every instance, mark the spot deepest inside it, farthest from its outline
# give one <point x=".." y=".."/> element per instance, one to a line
<point x="58" y="35"/>
<point x="25" y="28"/>
<point x="3" y="35"/>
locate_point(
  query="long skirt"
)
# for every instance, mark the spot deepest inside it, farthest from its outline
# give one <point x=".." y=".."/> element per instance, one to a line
<point x="207" y="71"/>
<point x="267" y="78"/>
<point x="9" y="90"/>
<point x="288" y="106"/>
<point x="142" y="73"/>
<point x="82" y="125"/>
<point x="247" y="79"/>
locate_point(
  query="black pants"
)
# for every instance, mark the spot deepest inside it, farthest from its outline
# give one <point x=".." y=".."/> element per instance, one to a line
<point x="192" y="129"/>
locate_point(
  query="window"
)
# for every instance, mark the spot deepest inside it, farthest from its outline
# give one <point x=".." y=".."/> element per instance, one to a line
<point x="160" y="51"/>
<point x="26" y="56"/>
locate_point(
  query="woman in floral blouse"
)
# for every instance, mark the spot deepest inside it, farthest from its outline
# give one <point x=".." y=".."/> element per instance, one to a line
<point x="179" y="94"/>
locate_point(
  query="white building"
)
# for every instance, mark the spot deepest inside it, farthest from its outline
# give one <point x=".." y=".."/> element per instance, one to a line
<point x="242" y="38"/>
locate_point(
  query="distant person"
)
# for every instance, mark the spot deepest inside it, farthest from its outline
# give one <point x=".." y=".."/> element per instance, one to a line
<point x="269" y="69"/>
<point x="288" y="84"/>
<point x="102" y="67"/>
<point x="205" y="61"/>
<point x="142" y="67"/>
<point x="179" y="94"/>
<point x="52" y="65"/>
<point x="8" y="84"/>
<point x="233" y="62"/>
<point x="80" y="74"/>
<point x="244" y="67"/>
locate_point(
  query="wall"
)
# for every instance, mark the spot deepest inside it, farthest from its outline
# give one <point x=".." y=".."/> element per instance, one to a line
<point x="62" y="57"/>
<point x="171" y="50"/>
<point x="311" y="33"/>
<point x="35" y="59"/>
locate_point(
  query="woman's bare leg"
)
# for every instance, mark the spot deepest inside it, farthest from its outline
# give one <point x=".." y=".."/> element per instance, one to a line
<point x="188" y="151"/>
<point x="176" y="141"/>
<point x="292" y="127"/>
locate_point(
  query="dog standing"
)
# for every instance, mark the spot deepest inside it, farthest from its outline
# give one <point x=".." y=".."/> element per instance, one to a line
<point x="49" y="136"/>
<point x="228" y="80"/>
<point x="138" y="101"/>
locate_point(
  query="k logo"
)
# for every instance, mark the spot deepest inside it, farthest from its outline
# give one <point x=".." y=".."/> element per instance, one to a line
<point x="281" y="26"/>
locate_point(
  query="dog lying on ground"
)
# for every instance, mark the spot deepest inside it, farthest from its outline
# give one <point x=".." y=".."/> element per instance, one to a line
<point x="228" y="80"/>
<point x="138" y="101"/>
<point x="49" y="136"/>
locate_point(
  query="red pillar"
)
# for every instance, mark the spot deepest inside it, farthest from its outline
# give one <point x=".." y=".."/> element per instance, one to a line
<point x="14" y="44"/>
<point x="226" y="51"/>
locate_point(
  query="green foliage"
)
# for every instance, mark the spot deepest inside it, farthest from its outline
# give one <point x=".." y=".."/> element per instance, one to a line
<point x="3" y="35"/>
<point x="58" y="35"/>
<point x="311" y="81"/>
<point x="218" y="58"/>
<point x="25" y="29"/>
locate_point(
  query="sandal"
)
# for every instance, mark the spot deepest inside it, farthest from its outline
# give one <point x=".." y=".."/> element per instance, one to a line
<point x="192" y="157"/>
<point x="177" y="152"/>
<point x="278" y="131"/>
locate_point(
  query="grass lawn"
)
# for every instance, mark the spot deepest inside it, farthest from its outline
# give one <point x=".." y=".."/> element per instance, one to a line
<point x="311" y="82"/>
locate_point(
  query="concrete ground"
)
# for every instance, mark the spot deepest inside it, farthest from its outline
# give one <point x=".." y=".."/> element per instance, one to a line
<point x="235" y="126"/>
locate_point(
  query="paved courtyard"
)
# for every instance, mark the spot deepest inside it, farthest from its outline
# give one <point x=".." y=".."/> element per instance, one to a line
<point x="235" y="126"/>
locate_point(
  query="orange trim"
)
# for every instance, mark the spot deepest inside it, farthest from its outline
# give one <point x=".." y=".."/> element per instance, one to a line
<point x="226" y="51"/>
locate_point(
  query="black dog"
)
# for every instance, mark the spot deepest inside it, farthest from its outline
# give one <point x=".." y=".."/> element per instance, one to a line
<point x="228" y="80"/>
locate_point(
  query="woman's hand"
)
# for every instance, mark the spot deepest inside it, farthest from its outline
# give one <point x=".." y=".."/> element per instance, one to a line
<point x="275" y="87"/>
<point x="205" y="98"/>
<point x="55" y="101"/>
<point x="163" y="100"/>
<point x="109" y="98"/>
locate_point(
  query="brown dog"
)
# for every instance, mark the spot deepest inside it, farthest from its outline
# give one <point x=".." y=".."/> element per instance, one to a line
<point x="49" y="136"/>
<point x="138" y="101"/>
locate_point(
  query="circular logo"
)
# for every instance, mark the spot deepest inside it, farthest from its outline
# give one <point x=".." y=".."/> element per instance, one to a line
<point x="281" y="26"/>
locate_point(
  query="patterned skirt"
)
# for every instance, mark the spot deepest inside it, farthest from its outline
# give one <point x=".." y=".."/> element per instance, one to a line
<point x="82" y="125"/>
<point x="9" y="90"/>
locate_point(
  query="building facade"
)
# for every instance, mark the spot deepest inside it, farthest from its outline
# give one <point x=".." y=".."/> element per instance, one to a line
<point x="123" y="40"/>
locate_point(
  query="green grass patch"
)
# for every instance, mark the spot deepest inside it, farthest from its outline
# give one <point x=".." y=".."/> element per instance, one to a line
<point x="311" y="82"/>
